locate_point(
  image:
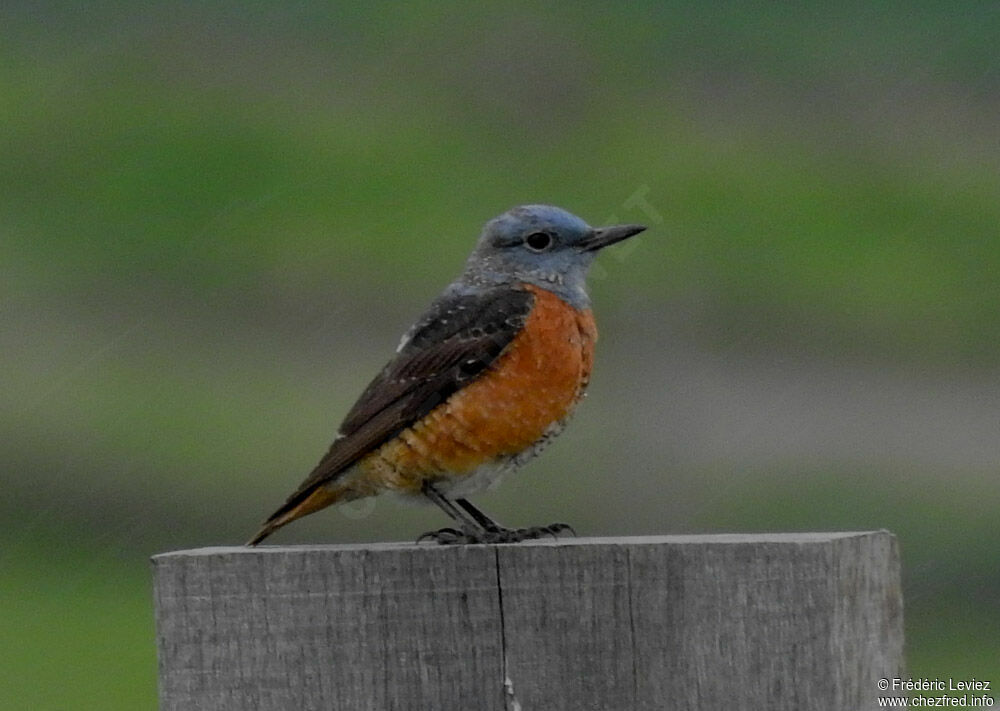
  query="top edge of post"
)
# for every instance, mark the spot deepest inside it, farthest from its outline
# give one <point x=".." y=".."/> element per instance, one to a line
<point x="805" y="537"/>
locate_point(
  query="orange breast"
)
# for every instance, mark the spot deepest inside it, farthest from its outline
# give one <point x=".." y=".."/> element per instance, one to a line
<point x="535" y="383"/>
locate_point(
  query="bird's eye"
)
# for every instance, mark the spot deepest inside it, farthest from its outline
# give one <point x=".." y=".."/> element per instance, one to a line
<point x="538" y="241"/>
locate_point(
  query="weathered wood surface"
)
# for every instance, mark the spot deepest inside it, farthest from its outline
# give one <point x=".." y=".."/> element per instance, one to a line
<point x="757" y="622"/>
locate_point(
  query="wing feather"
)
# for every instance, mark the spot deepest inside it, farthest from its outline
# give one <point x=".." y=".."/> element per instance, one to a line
<point x="456" y="341"/>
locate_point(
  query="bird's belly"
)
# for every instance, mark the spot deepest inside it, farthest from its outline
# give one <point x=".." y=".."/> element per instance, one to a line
<point x="501" y="419"/>
<point x="483" y="478"/>
<point x="489" y="474"/>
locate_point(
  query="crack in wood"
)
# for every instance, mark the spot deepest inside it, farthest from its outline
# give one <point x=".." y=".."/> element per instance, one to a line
<point x="510" y="700"/>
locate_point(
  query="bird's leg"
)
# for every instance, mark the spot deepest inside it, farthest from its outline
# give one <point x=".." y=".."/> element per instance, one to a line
<point x="495" y="533"/>
<point x="482" y="519"/>
<point x="470" y="529"/>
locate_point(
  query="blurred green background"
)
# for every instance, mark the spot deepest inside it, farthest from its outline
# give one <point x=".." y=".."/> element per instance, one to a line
<point x="216" y="220"/>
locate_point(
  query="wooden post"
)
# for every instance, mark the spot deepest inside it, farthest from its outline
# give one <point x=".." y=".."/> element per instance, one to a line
<point x="777" y="621"/>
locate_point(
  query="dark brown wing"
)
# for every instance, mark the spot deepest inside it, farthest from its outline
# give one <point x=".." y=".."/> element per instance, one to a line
<point x="454" y="342"/>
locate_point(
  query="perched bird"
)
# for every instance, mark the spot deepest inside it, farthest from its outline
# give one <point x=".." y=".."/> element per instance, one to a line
<point x="479" y="384"/>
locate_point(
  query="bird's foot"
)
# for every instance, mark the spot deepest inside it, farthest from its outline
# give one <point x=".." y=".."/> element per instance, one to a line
<point x="516" y="535"/>
<point x="448" y="537"/>
<point x="455" y="536"/>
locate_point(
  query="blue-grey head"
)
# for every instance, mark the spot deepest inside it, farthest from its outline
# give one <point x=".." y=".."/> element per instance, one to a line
<point x="541" y="245"/>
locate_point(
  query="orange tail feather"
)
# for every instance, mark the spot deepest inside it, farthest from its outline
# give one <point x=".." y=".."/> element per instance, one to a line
<point x="318" y="498"/>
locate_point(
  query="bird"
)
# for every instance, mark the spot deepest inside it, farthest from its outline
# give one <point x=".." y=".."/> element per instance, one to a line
<point x="480" y="383"/>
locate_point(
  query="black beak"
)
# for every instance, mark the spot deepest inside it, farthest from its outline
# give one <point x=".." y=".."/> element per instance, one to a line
<point x="601" y="237"/>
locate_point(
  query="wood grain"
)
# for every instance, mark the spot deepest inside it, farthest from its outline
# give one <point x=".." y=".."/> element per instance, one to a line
<point x="781" y="621"/>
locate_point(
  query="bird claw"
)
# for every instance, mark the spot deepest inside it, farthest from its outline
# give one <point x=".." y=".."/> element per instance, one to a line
<point x="516" y="535"/>
<point x="455" y="536"/>
<point x="556" y="528"/>
<point x="446" y="537"/>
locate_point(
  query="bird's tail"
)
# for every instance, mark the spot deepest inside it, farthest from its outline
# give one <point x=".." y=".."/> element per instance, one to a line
<point x="296" y="507"/>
